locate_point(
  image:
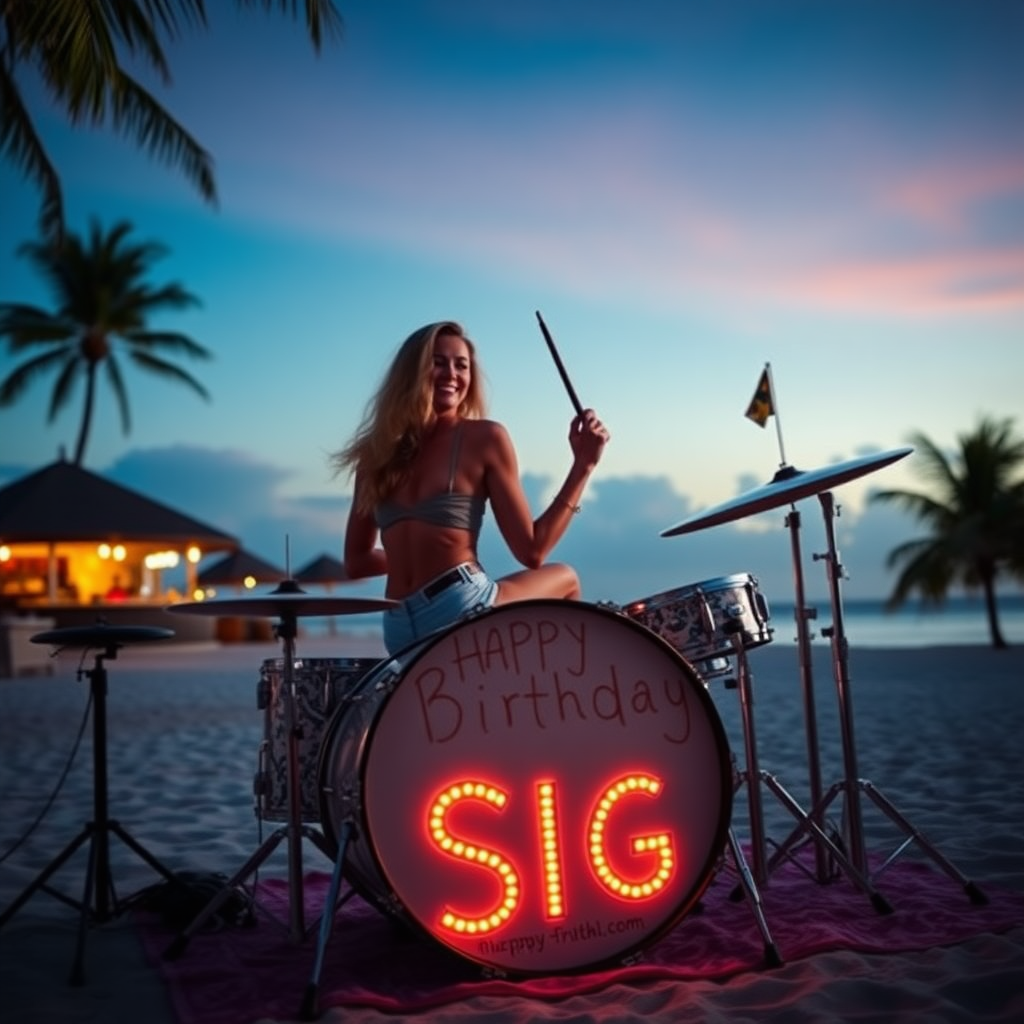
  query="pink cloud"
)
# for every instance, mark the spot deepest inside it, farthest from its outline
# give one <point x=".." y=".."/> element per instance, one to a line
<point x="991" y="280"/>
<point x="943" y="196"/>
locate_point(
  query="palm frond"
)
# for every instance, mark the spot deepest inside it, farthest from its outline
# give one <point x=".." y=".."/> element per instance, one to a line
<point x="14" y="384"/>
<point x="168" y="370"/>
<point x="62" y="389"/>
<point x="116" y="382"/>
<point x="322" y="16"/>
<point x="172" y="340"/>
<point x="137" y="113"/>
<point x="27" y="326"/>
<point x="21" y="143"/>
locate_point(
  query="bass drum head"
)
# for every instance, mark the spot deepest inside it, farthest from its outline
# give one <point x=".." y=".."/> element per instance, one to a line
<point x="546" y="787"/>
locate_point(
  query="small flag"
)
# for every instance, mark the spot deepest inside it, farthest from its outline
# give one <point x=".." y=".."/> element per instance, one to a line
<point x="761" y="405"/>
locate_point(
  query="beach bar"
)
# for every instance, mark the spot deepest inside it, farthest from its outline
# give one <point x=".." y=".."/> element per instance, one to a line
<point x="76" y="548"/>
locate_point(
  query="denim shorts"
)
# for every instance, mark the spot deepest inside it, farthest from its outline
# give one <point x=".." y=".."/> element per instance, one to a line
<point x="437" y="605"/>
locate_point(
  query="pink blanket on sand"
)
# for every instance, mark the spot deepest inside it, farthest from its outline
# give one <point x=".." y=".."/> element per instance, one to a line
<point x="240" y="973"/>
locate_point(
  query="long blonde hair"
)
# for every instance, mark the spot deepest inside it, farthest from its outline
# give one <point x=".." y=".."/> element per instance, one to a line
<point x="396" y="417"/>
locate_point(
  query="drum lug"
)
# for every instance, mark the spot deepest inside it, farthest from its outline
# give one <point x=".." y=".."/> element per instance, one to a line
<point x="387" y="681"/>
<point x="708" y="617"/>
<point x="263" y="693"/>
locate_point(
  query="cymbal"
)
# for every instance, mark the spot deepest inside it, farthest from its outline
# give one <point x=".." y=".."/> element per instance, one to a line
<point x="283" y="603"/>
<point x="789" y="484"/>
<point x="101" y="635"/>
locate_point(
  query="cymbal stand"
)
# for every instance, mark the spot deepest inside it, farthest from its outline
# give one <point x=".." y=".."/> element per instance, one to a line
<point x="851" y="785"/>
<point x="293" y="831"/>
<point x="802" y="613"/>
<point x="751" y="773"/>
<point x="753" y="777"/>
<point x="99" y="881"/>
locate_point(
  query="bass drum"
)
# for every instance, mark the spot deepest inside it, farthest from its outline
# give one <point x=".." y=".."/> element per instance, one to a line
<point x="545" y="787"/>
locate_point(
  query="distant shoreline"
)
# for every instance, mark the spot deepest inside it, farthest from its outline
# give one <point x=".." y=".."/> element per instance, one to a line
<point x="199" y="657"/>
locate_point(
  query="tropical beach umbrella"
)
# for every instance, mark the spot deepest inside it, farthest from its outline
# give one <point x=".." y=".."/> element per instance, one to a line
<point x="325" y="570"/>
<point x="238" y="568"/>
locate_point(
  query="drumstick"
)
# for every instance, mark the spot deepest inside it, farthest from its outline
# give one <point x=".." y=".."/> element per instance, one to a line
<point x="558" y="362"/>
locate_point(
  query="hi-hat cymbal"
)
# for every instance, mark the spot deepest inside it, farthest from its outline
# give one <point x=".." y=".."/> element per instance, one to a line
<point x="287" y="600"/>
<point x="788" y="484"/>
<point x="101" y="635"/>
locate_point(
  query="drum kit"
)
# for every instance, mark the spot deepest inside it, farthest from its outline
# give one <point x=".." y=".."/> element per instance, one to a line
<point x="409" y="773"/>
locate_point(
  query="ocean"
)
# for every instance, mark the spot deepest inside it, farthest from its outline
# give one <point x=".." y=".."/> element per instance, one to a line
<point x="959" y="621"/>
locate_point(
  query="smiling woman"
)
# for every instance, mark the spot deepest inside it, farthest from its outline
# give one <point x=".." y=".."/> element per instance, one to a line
<point x="426" y="463"/>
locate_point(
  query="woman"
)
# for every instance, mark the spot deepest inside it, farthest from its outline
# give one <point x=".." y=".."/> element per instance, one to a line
<point x="426" y="463"/>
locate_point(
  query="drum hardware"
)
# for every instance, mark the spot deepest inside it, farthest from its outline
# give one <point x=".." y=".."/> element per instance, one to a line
<point x="753" y="777"/>
<point x="851" y="785"/>
<point x="287" y="602"/>
<point x="99" y="899"/>
<point x="802" y="614"/>
<point x="748" y="884"/>
<point x="789" y="485"/>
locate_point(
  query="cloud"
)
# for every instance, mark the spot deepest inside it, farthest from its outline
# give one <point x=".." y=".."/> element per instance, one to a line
<point x="946" y="196"/>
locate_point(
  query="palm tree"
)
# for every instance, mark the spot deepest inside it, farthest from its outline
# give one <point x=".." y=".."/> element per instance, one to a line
<point x="76" y="49"/>
<point x="103" y="302"/>
<point x="975" y="515"/>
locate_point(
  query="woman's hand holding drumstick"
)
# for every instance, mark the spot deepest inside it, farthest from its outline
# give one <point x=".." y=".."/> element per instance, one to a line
<point x="588" y="436"/>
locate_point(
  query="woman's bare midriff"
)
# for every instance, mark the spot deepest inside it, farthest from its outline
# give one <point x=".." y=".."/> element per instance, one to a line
<point x="418" y="552"/>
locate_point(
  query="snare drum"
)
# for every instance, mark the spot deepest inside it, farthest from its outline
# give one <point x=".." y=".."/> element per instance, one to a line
<point x="700" y="620"/>
<point x="543" y="787"/>
<point x="319" y="685"/>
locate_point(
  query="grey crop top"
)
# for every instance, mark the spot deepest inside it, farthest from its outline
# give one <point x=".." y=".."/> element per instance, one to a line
<point x="461" y="511"/>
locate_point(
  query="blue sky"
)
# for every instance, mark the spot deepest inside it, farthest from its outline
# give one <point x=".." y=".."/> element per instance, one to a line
<point x="686" y="192"/>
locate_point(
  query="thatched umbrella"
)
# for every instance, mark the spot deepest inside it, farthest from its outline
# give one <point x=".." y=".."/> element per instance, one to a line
<point x="325" y="570"/>
<point x="239" y="567"/>
<point x="243" y="570"/>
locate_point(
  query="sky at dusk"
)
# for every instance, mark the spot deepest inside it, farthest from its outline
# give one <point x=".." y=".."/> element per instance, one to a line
<point x="686" y="191"/>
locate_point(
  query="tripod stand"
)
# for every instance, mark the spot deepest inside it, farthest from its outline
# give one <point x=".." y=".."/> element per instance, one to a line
<point x="851" y="785"/>
<point x="99" y="900"/>
<point x="292" y="832"/>
<point x="752" y="776"/>
<point x="286" y="602"/>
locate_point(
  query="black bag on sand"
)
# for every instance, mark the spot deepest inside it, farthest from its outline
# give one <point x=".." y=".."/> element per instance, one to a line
<point x="180" y="900"/>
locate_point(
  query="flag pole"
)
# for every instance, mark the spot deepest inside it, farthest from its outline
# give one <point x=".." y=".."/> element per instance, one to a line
<point x="778" y="418"/>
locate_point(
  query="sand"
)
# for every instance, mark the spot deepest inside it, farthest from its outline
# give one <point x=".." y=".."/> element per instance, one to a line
<point x="936" y="730"/>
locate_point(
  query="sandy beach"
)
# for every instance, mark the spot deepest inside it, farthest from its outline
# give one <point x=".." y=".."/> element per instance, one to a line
<point x="937" y="732"/>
